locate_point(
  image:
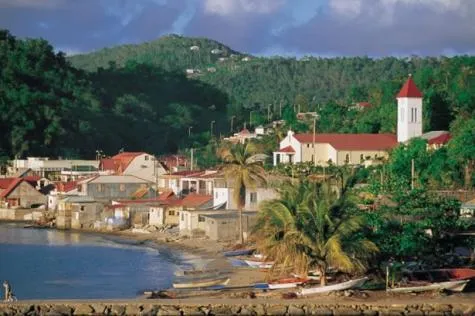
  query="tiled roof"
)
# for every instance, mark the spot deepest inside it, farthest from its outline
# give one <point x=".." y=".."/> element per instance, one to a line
<point x="409" y="90"/>
<point x="352" y="141"/>
<point x="195" y="200"/>
<point x="188" y="173"/>
<point x="140" y="193"/>
<point x="11" y="187"/>
<point x="5" y="182"/>
<point x="66" y="186"/>
<point x="110" y="164"/>
<point x="288" y="149"/>
<point x="364" y="104"/>
<point x="437" y="137"/>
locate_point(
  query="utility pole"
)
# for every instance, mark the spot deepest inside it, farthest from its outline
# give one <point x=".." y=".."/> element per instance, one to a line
<point x="268" y="113"/>
<point x="412" y="174"/>
<point x="211" y="128"/>
<point x="189" y="131"/>
<point x="232" y="121"/>
<point x="191" y="164"/>
<point x="280" y="108"/>
<point x="313" y="144"/>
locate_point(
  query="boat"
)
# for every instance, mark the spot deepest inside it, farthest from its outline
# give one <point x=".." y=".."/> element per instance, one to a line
<point x="441" y="275"/>
<point x="454" y="286"/>
<point x="259" y="264"/>
<point x="334" y="287"/>
<point x="286" y="283"/>
<point x="196" y="272"/>
<point x="239" y="252"/>
<point x="203" y="283"/>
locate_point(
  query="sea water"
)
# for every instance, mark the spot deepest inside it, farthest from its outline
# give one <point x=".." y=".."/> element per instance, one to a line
<point x="51" y="264"/>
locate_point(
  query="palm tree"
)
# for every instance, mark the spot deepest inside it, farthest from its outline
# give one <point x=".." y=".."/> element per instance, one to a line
<point x="307" y="228"/>
<point x="243" y="170"/>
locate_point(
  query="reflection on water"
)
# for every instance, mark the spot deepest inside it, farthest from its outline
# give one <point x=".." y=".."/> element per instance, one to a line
<point x="60" y="264"/>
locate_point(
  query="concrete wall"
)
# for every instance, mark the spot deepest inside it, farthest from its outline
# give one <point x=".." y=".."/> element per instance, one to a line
<point x="84" y="215"/>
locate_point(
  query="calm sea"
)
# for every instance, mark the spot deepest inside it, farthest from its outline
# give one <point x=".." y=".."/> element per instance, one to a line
<point x="49" y="264"/>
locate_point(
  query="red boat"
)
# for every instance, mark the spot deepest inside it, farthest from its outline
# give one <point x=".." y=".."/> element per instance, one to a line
<point x="286" y="283"/>
<point x="439" y="275"/>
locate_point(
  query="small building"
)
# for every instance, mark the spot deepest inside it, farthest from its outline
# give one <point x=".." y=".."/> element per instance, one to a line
<point x="202" y="183"/>
<point x="78" y="212"/>
<point x="21" y="193"/>
<point x="467" y="209"/>
<point x="192" y="207"/>
<point x="224" y="226"/>
<point x="111" y="187"/>
<point x="138" y="164"/>
<point x="241" y="137"/>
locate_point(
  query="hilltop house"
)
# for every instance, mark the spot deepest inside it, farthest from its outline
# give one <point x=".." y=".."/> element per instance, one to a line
<point x="341" y="149"/>
<point x="138" y="164"/>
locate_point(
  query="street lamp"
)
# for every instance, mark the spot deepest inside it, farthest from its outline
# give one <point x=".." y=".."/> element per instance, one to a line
<point x="211" y="129"/>
<point x="189" y="131"/>
<point x="232" y="121"/>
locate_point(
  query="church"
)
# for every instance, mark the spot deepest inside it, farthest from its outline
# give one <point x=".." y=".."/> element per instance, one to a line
<point x="341" y="149"/>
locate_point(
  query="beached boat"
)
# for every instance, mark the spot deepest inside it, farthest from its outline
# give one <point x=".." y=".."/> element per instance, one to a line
<point x="334" y="287"/>
<point x="259" y="264"/>
<point x="454" y="286"/>
<point x="441" y="275"/>
<point x="203" y="283"/>
<point x="239" y="252"/>
<point x="196" y="272"/>
<point x="286" y="283"/>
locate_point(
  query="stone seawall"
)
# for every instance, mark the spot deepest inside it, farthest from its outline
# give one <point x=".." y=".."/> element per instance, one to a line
<point x="294" y="308"/>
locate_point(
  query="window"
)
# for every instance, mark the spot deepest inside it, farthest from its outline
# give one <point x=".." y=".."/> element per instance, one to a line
<point x="122" y="187"/>
<point x="171" y="213"/>
<point x="146" y="157"/>
<point x="100" y="187"/>
<point x="253" y="197"/>
<point x="82" y="207"/>
<point x="308" y="145"/>
<point x="361" y="158"/>
<point x="347" y="158"/>
<point x="415" y="115"/>
<point x="201" y="218"/>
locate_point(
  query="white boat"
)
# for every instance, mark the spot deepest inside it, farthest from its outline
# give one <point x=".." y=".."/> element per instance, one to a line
<point x="201" y="283"/>
<point x="454" y="286"/>
<point x="334" y="287"/>
<point x="259" y="264"/>
<point x="286" y="283"/>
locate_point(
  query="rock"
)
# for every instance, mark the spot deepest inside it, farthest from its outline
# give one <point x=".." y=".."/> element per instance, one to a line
<point x="413" y="312"/>
<point x="219" y="310"/>
<point x="457" y="311"/>
<point x="276" y="310"/>
<point x="427" y="308"/>
<point x="346" y="312"/>
<point x="321" y="311"/>
<point x="149" y="310"/>
<point x="364" y="295"/>
<point x="168" y="310"/>
<point x="295" y="310"/>
<point x="62" y="309"/>
<point x="83" y="309"/>
<point x="348" y="293"/>
<point x="435" y="313"/>
<point x="259" y="309"/>
<point x="370" y="312"/>
<point x="247" y="311"/>
<point x="100" y="309"/>
<point x="133" y="309"/>
<point x="191" y="311"/>
<point x="118" y="310"/>
<point x="442" y="308"/>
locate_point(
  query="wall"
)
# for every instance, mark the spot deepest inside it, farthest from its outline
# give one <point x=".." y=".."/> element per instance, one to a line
<point x="84" y="215"/>
<point x="220" y="195"/>
<point x="355" y="156"/>
<point x="237" y="307"/>
<point x="112" y="190"/>
<point x="145" y="167"/>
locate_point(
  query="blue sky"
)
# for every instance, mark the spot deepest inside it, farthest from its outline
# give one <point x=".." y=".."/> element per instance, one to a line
<point x="262" y="27"/>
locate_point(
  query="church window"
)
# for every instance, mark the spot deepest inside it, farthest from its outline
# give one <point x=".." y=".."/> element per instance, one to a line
<point x="415" y="115"/>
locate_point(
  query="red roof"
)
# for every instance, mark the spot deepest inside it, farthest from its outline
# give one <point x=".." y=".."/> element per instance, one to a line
<point x="172" y="161"/>
<point x="195" y="200"/>
<point x="5" y="182"/>
<point x="409" y="90"/>
<point x="66" y="186"/>
<point x="187" y="173"/>
<point x="364" y="104"/>
<point x="440" y="140"/>
<point x="352" y="141"/>
<point x="244" y="131"/>
<point x="109" y="164"/>
<point x="288" y="149"/>
<point x="11" y="187"/>
<point x="126" y="158"/>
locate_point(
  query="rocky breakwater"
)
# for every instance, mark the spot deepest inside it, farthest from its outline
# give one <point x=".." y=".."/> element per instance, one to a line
<point x="292" y="308"/>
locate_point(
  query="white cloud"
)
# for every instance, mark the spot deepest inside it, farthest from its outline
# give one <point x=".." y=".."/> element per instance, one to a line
<point x="229" y="7"/>
<point x="47" y="4"/>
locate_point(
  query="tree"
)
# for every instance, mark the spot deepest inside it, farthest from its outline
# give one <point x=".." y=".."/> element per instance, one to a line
<point x="462" y="147"/>
<point x="307" y="228"/>
<point x="243" y="171"/>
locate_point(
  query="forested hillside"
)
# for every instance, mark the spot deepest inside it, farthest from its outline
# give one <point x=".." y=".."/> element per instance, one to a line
<point x="140" y="97"/>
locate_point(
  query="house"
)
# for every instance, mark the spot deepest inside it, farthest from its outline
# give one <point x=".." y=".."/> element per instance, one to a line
<point x="223" y="197"/>
<point x="224" y="226"/>
<point x="21" y="193"/>
<point x="241" y="137"/>
<point x="341" y="149"/>
<point x="107" y="188"/>
<point x="61" y="189"/>
<point x="172" y="181"/>
<point x="192" y="207"/>
<point x="78" y="212"/>
<point x="467" y="209"/>
<point x="138" y="164"/>
<point x="49" y="168"/>
<point x="174" y="163"/>
<point x="202" y="182"/>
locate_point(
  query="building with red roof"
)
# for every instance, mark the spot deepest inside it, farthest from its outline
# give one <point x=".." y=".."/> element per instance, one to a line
<point x="341" y="149"/>
<point x="21" y="193"/>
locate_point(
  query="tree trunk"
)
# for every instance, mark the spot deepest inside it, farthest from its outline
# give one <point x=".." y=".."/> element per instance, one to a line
<point x="323" y="277"/>
<point x="241" y="235"/>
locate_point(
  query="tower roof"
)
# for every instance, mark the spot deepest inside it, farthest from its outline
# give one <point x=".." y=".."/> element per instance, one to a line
<point x="409" y="90"/>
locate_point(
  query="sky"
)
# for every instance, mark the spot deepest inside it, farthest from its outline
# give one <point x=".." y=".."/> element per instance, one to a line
<point x="374" y="28"/>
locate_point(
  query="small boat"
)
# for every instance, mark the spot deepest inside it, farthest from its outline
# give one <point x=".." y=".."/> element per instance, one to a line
<point x="196" y="272"/>
<point x="259" y="264"/>
<point x="203" y="283"/>
<point x="454" y="286"/>
<point x="439" y="275"/>
<point x="239" y="252"/>
<point x="334" y="287"/>
<point x="286" y="283"/>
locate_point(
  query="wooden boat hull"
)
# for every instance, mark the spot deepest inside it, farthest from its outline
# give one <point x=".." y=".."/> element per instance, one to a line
<point x="454" y="286"/>
<point x="286" y="283"/>
<point x="241" y="252"/>
<point x="334" y="287"/>
<point x="201" y="283"/>
<point x="259" y="264"/>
